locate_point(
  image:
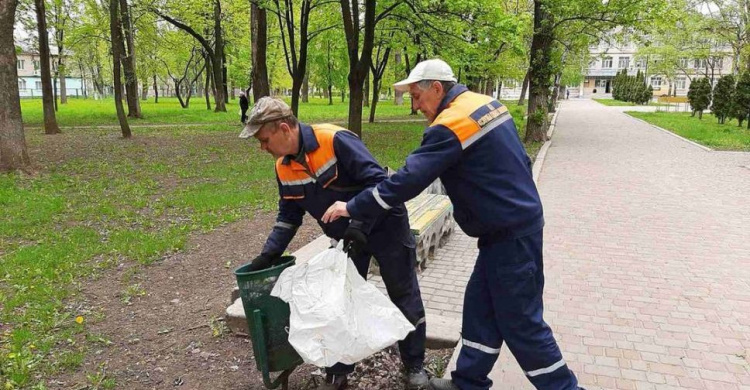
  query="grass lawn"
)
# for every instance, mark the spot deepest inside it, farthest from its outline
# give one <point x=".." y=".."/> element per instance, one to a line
<point x="98" y="201"/>
<point x="88" y="112"/>
<point x="706" y="132"/>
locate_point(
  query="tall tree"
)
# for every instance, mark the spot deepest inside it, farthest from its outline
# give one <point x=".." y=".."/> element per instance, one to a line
<point x="129" y="62"/>
<point x="13" y="153"/>
<point x="118" y="50"/>
<point x="61" y="15"/>
<point x="540" y="73"/>
<point x="48" y="104"/>
<point x="259" y="43"/>
<point x="215" y="50"/>
<point x="359" y="60"/>
<point x="378" y="70"/>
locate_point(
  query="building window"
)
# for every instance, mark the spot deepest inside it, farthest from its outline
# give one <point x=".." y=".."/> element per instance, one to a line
<point x="699" y="63"/>
<point x="607" y="63"/>
<point x="38" y="86"/>
<point x="21" y="84"/>
<point x="656" y="81"/>
<point x="20" y="64"/>
<point x="36" y="64"/>
<point x="640" y="63"/>
<point x="601" y="83"/>
<point x="679" y="82"/>
<point x="623" y="63"/>
<point x="684" y="63"/>
<point x="718" y="62"/>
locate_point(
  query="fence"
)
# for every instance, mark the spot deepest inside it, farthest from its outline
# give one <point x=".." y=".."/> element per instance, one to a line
<point x="28" y="93"/>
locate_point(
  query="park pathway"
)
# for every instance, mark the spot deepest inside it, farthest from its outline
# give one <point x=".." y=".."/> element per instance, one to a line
<point x="647" y="256"/>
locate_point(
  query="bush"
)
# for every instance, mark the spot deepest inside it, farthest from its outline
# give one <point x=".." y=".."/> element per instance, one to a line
<point x="723" y="97"/>
<point x="699" y="96"/>
<point x="741" y="105"/>
<point x="631" y="88"/>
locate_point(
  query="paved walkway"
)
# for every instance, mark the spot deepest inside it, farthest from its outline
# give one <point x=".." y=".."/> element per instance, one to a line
<point x="647" y="257"/>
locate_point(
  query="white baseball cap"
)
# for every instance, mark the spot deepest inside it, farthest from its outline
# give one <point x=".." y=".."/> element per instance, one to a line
<point x="427" y="70"/>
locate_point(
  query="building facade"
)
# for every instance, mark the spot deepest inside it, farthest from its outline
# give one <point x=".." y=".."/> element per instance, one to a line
<point x="607" y="60"/>
<point x="30" y="80"/>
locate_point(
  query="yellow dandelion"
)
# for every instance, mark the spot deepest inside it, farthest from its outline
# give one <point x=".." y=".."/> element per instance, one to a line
<point x="79" y="320"/>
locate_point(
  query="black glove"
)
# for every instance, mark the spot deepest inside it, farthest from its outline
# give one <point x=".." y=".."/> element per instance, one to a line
<point x="263" y="262"/>
<point x="355" y="240"/>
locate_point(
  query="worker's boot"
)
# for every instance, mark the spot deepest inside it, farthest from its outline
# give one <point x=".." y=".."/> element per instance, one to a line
<point x="416" y="378"/>
<point x="442" y="384"/>
<point x="334" y="382"/>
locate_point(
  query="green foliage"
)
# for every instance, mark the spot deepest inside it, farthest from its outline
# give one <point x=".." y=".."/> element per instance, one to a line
<point x="699" y="95"/>
<point x="723" y="97"/>
<point x="631" y="88"/>
<point x="741" y="105"/>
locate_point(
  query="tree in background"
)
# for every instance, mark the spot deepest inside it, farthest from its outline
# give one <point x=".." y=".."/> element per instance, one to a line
<point x="48" y="103"/>
<point x="118" y="50"/>
<point x="723" y="97"/>
<point x="13" y="151"/>
<point x="699" y="96"/>
<point x="741" y="105"/>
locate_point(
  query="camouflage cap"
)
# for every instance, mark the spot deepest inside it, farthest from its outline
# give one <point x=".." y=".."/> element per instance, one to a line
<point x="265" y="110"/>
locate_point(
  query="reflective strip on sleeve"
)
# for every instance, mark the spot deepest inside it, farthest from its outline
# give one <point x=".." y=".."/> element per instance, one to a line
<point x="420" y="322"/>
<point x="285" y="225"/>
<point x="297" y="182"/>
<point x="486" y="129"/>
<point x="325" y="166"/>
<point x="380" y="200"/>
<point x="481" y="347"/>
<point x="545" y="370"/>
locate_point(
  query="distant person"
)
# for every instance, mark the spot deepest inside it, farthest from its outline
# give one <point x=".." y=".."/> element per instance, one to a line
<point x="567" y="94"/>
<point x="244" y="105"/>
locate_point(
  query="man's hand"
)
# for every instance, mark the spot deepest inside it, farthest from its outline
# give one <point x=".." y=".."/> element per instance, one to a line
<point x="336" y="211"/>
<point x="262" y="262"/>
<point x="355" y="239"/>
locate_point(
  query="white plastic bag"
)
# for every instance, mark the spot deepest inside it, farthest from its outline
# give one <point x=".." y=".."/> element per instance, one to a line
<point x="336" y="316"/>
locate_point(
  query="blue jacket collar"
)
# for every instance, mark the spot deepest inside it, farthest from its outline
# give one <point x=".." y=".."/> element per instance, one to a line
<point x="452" y="94"/>
<point x="309" y="142"/>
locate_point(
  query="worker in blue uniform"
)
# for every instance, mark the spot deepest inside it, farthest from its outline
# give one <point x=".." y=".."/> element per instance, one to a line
<point x="471" y="144"/>
<point x="315" y="167"/>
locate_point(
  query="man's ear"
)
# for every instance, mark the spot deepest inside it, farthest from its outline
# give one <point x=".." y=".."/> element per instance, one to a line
<point x="438" y="87"/>
<point x="285" y="128"/>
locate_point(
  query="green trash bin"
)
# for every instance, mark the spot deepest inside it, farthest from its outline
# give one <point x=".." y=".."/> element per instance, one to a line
<point x="268" y="322"/>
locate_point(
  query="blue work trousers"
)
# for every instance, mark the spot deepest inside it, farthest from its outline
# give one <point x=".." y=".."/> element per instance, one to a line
<point x="503" y="303"/>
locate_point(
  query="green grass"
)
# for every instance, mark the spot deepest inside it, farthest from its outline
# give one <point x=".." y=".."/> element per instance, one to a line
<point x="89" y="112"/>
<point x="613" y="102"/>
<point x="98" y="201"/>
<point x="707" y="132"/>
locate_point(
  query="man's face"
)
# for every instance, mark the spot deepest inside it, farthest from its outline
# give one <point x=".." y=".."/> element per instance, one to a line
<point x="427" y="100"/>
<point x="275" y="140"/>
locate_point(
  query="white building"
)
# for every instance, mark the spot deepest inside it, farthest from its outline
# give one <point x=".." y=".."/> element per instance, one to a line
<point x="30" y="80"/>
<point x="608" y="60"/>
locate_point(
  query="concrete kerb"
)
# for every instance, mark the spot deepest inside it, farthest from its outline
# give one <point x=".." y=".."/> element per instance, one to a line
<point x="505" y="362"/>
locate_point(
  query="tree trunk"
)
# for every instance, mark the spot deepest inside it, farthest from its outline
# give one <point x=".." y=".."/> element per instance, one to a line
<point x="144" y="91"/>
<point x="524" y="87"/>
<point x="218" y="61"/>
<point x="54" y="91"/>
<point x="359" y="64"/>
<point x="13" y="151"/>
<point x="156" y="91"/>
<point x="50" y="122"/>
<point x="555" y="93"/>
<point x="330" y="95"/>
<point x="539" y="77"/>
<point x="366" y="91"/>
<point x="398" y="96"/>
<point x="259" y="43"/>
<point x="117" y="52"/>
<point x="128" y="62"/>
<point x="207" y="88"/>
<point x="343" y="96"/>
<point x="61" y="77"/>
<point x="305" y="89"/>
<point x="375" y="97"/>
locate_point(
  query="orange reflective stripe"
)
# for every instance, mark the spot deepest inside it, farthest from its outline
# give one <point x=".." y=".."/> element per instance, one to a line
<point x="319" y="161"/>
<point x="457" y="116"/>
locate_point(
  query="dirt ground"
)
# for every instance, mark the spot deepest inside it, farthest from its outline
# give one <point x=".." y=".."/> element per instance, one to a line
<point x="169" y="332"/>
